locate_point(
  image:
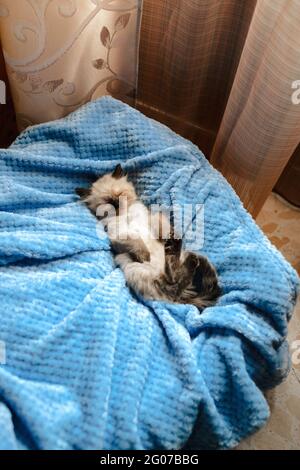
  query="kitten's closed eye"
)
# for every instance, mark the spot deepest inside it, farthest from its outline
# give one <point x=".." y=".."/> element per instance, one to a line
<point x="113" y="202"/>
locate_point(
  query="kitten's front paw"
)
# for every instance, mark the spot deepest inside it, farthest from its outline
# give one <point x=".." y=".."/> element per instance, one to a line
<point x="122" y="260"/>
<point x="140" y="256"/>
<point x="173" y="246"/>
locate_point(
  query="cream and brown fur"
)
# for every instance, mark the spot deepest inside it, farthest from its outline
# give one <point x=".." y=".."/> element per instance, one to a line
<point x="145" y="248"/>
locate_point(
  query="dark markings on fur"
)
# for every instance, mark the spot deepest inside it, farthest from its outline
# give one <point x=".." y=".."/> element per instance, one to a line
<point x="136" y="248"/>
<point x="173" y="246"/>
<point x="115" y="202"/>
<point x="172" y="260"/>
<point x="118" y="172"/>
<point x="193" y="280"/>
<point x="83" y="192"/>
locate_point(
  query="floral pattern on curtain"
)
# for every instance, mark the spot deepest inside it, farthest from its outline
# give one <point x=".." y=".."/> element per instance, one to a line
<point x="60" y="54"/>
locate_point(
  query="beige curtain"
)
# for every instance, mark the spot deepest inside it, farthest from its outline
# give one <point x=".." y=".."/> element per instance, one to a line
<point x="222" y="74"/>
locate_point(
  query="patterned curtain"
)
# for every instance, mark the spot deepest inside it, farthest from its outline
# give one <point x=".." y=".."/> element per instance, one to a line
<point x="226" y="74"/>
<point x="59" y="54"/>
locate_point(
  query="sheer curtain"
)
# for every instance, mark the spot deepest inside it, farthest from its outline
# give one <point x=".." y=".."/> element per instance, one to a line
<point x="222" y="74"/>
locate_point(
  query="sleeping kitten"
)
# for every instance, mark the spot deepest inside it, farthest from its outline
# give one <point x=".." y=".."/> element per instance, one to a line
<point x="145" y="247"/>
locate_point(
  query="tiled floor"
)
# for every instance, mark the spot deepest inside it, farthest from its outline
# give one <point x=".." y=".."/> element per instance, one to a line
<point x="281" y="223"/>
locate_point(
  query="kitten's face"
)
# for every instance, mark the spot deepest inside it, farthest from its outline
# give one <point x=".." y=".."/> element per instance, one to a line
<point x="108" y="189"/>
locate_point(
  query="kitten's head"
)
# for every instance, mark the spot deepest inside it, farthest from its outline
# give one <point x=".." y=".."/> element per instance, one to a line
<point x="108" y="189"/>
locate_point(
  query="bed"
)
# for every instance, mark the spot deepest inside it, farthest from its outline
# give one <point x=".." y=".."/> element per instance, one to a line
<point x="85" y="363"/>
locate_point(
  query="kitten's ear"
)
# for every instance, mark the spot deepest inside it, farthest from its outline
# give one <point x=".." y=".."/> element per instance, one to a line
<point x="83" y="192"/>
<point x="118" y="172"/>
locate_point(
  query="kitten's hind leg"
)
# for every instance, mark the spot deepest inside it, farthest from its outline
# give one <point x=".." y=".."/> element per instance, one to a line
<point x="205" y="279"/>
<point x="202" y="289"/>
<point x="140" y="277"/>
<point x="173" y="246"/>
<point x="172" y="259"/>
<point x="178" y="275"/>
<point x="186" y="271"/>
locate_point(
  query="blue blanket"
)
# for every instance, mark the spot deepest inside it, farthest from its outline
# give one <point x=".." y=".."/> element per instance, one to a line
<point x="86" y="364"/>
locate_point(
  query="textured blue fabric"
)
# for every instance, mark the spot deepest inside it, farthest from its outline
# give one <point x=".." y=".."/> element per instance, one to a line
<point x="90" y="366"/>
